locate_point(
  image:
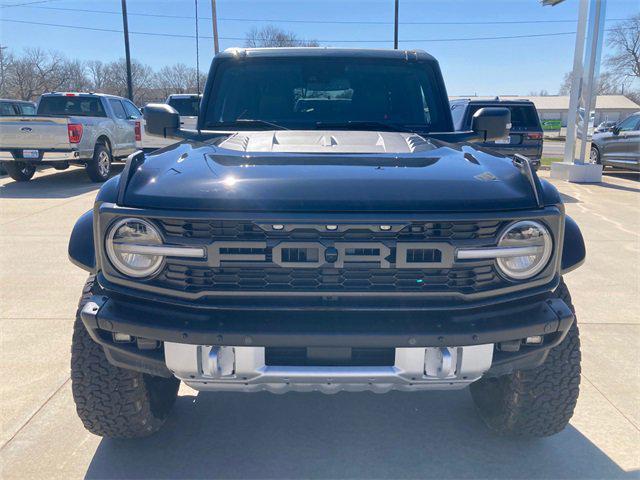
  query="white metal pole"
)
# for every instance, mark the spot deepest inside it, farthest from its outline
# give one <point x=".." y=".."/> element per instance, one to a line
<point x="576" y="82"/>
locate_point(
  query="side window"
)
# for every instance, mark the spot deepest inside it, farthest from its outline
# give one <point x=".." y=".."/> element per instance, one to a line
<point x="7" y="109"/>
<point x="118" y="109"/>
<point x="457" y="114"/>
<point x="131" y="109"/>
<point x="629" y="123"/>
<point x="28" y="109"/>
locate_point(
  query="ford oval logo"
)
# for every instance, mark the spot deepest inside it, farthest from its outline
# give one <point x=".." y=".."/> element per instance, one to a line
<point x="26" y="129"/>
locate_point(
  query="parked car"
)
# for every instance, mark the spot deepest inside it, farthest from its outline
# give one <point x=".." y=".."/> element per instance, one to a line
<point x="10" y="107"/>
<point x="619" y="147"/>
<point x="89" y="129"/>
<point x="525" y="136"/>
<point x="187" y="105"/>
<point x="355" y="244"/>
<point x="604" y="127"/>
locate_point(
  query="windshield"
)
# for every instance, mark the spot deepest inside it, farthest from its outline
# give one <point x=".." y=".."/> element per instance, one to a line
<point x="71" y="105"/>
<point x="315" y="93"/>
<point x="186" y="107"/>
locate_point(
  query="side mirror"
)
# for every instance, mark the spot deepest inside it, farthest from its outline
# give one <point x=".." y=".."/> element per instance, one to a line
<point x="491" y="123"/>
<point x="615" y="130"/>
<point x="162" y="120"/>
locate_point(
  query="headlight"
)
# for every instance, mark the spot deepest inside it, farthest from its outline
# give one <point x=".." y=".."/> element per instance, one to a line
<point x="530" y="237"/>
<point x="125" y="244"/>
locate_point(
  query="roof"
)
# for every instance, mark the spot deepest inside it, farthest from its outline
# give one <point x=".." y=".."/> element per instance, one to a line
<point x="561" y="102"/>
<point x="15" y="100"/>
<point x="280" y="52"/>
<point x="184" y="95"/>
<point x="96" y="94"/>
<point x="496" y="100"/>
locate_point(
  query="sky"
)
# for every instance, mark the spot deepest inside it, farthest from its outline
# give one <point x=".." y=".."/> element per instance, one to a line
<point x="516" y="66"/>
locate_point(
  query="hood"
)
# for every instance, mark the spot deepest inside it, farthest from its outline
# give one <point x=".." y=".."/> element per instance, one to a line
<point x="315" y="171"/>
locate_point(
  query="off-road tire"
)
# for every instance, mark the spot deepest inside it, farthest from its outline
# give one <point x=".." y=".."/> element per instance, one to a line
<point x="111" y="401"/>
<point x="99" y="168"/>
<point x="537" y="402"/>
<point x="20" y="171"/>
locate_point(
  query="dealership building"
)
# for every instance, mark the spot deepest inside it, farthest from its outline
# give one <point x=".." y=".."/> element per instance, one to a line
<point x="610" y="108"/>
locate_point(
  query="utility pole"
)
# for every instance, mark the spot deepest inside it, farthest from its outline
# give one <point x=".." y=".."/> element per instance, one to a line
<point x="395" y="28"/>
<point x="127" y="54"/>
<point x="197" y="51"/>
<point x="214" y="19"/>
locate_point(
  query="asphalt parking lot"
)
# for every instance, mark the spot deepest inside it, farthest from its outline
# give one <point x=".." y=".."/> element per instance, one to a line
<point x="354" y="435"/>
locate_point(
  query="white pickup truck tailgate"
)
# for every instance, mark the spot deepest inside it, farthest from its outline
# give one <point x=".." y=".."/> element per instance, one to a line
<point x="34" y="132"/>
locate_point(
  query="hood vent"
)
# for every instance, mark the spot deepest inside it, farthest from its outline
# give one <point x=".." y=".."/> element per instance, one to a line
<point x="312" y="141"/>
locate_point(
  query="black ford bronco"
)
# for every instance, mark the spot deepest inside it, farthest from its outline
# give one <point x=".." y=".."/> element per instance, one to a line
<point x="324" y="229"/>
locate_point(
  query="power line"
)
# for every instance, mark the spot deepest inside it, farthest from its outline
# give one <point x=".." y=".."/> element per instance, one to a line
<point x="177" y="35"/>
<point x="27" y="4"/>
<point x="337" y="22"/>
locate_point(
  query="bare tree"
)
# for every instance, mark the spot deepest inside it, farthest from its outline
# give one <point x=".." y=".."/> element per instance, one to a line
<point x="141" y="77"/>
<point x="539" y="93"/>
<point x="607" y="85"/>
<point x="177" y="78"/>
<point x="272" y="36"/>
<point x="34" y="71"/>
<point x="97" y="73"/>
<point x="6" y="63"/>
<point x="624" y="40"/>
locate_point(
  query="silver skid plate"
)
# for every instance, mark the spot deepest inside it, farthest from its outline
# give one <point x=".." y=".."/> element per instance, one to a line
<point x="244" y="369"/>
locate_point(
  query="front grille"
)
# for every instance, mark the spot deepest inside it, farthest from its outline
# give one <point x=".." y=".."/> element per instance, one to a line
<point x="301" y="266"/>
<point x="199" y="279"/>
<point x="249" y="231"/>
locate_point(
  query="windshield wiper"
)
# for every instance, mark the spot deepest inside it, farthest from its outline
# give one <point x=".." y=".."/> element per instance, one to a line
<point x="246" y="122"/>
<point x="363" y="124"/>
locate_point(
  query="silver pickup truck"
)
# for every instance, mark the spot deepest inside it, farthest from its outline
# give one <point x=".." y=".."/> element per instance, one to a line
<point x="89" y="129"/>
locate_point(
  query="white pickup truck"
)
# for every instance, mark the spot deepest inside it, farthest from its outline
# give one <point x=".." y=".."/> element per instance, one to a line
<point x="89" y="129"/>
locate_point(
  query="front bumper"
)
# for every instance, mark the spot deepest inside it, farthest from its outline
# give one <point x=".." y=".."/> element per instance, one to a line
<point x="161" y="327"/>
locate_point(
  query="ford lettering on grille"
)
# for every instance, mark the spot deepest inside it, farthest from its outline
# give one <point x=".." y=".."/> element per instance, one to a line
<point x="418" y="255"/>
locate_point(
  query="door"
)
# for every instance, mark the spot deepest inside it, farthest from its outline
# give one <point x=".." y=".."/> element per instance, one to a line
<point x="630" y="155"/>
<point x="124" y="134"/>
<point x="618" y="146"/>
<point x="134" y="117"/>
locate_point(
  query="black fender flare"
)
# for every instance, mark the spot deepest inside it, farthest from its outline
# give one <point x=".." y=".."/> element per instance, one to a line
<point x="81" y="247"/>
<point x="573" y="248"/>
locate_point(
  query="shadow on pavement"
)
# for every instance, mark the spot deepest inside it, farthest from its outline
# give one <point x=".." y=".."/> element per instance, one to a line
<point x="347" y="435"/>
<point x="568" y="198"/>
<point x="53" y="184"/>
<point x="626" y="174"/>
<point x="615" y="186"/>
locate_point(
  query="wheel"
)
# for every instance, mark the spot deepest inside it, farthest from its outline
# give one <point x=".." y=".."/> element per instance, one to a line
<point x="20" y="171"/>
<point x="594" y="155"/>
<point x="111" y="401"/>
<point x="99" y="167"/>
<point x="537" y="402"/>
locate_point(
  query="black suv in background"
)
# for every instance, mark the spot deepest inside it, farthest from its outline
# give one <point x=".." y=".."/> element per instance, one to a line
<point x="525" y="136"/>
